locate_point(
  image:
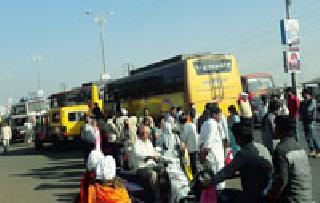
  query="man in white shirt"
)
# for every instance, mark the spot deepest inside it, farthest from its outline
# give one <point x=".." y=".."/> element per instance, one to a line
<point x="171" y="117"/>
<point x="144" y="158"/>
<point x="6" y="136"/>
<point x="29" y="131"/>
<point x="212" y="142"/>
<point x="191" y="140"/>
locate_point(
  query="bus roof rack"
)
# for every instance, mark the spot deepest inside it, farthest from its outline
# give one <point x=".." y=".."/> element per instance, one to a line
<point x="174" y="59"/>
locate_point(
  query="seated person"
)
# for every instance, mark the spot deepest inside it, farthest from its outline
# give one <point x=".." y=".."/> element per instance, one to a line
<point x="89" y="177"/>
<point x="108" y="188"/>
<point x="144" y="158"/>
<point x="254" y="163"/>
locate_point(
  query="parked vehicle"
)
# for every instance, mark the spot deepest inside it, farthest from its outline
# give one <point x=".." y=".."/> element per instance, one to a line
<point x="27" y="110"/>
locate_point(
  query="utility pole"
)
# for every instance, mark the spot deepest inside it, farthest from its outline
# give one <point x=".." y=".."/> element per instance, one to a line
<point x="100" y="20"/>
<point x="293" y="74"/>
<point x="36" y="59"/>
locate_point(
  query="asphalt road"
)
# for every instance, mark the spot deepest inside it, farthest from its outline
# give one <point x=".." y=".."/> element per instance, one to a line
<point x="27" y="175"/>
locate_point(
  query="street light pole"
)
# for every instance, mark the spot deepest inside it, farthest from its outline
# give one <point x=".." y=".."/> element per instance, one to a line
<point x="100" y="20"/>
<point x="293" y="74"/>
<point x="36" y="59"/>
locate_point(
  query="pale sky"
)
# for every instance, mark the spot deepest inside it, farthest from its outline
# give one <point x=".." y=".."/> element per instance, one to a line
<point x="141" y="32"/>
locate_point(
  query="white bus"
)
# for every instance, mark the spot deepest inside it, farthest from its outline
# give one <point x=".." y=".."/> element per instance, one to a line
<point x="26" y="111"/>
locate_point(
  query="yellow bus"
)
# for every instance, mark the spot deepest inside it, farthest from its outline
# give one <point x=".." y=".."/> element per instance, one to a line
<point x="178" y="81"/>
<point x="67" y="111"/>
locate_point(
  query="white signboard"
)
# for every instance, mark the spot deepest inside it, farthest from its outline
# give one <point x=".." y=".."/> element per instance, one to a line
<point x="290" y="31"/>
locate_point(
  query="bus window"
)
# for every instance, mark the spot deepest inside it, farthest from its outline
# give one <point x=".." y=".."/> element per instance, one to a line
<point x="204" y="66"/>
<point x="256" y="84"/>
<point x="72" y="116"/>
<point x="76" y="116"/>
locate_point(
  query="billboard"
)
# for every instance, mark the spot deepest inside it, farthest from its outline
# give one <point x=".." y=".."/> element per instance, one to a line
<point x="292" y="60"/>
<point x="290" y="31"/>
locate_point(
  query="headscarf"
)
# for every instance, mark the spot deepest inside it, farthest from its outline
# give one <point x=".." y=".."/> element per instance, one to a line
<point x="106" y="168"/>
<point x="169" y="139"/>
<point x="94" y="157"/>
<point x="167" y="128"/>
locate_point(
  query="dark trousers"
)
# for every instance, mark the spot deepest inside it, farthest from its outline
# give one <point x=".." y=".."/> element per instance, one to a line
<point x="193" y="162"/>
<point x="311" y="136"/>
<point x="247" y="121"/>
<point x="87" y="147"/>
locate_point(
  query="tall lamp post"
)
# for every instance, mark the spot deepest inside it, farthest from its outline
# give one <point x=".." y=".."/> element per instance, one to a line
<point x="37" y="58"/>
<point x="101" y="20"/>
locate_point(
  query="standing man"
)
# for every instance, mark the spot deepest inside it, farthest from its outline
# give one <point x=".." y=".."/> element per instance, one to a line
<point x="96" y="112"/>
<point x="268" y="126"/>
<point x="146" y="115"/>
<point x="293" y="107"/>
<point x="171" y="117"/>
<point x="193" y="112"/>
<point x="292" y="181"/>
<point x="245" y="110"/>
<point x="211" y="142"/>
<point x="6" y="136"/>
<point x="190" y="139"/>
<point x="308" y="110"/>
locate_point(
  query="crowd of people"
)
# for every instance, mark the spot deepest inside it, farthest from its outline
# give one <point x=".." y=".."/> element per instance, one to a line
<point x="275" y="170"/>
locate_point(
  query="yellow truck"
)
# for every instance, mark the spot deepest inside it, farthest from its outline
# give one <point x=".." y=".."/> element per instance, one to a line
<point x="66" y="115"/>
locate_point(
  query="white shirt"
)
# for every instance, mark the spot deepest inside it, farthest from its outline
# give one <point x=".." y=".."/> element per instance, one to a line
<point x="245" y="109"/>
<point x="141" y="119"/>
<point x="223" y="128"/>
<point x="141" y="150"/>
<point x="170" y="119"/>
<point x="191" y="137"/>
<point x="167" y="141"/>
<point x="212" y="139"/>
<point x="6" y="133"/>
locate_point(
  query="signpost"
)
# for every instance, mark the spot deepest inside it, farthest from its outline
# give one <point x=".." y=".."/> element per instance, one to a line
<point x="290" y="31"/>
<point x="293" y="56"/>
<point x="290" y="35"/>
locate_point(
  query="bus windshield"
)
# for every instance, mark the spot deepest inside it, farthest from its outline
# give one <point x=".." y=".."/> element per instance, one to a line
<point x="19" y="121"/>
<point x="257" y="84"/>
<point x="75" y="97"/>
<point x="19" y="110"/>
